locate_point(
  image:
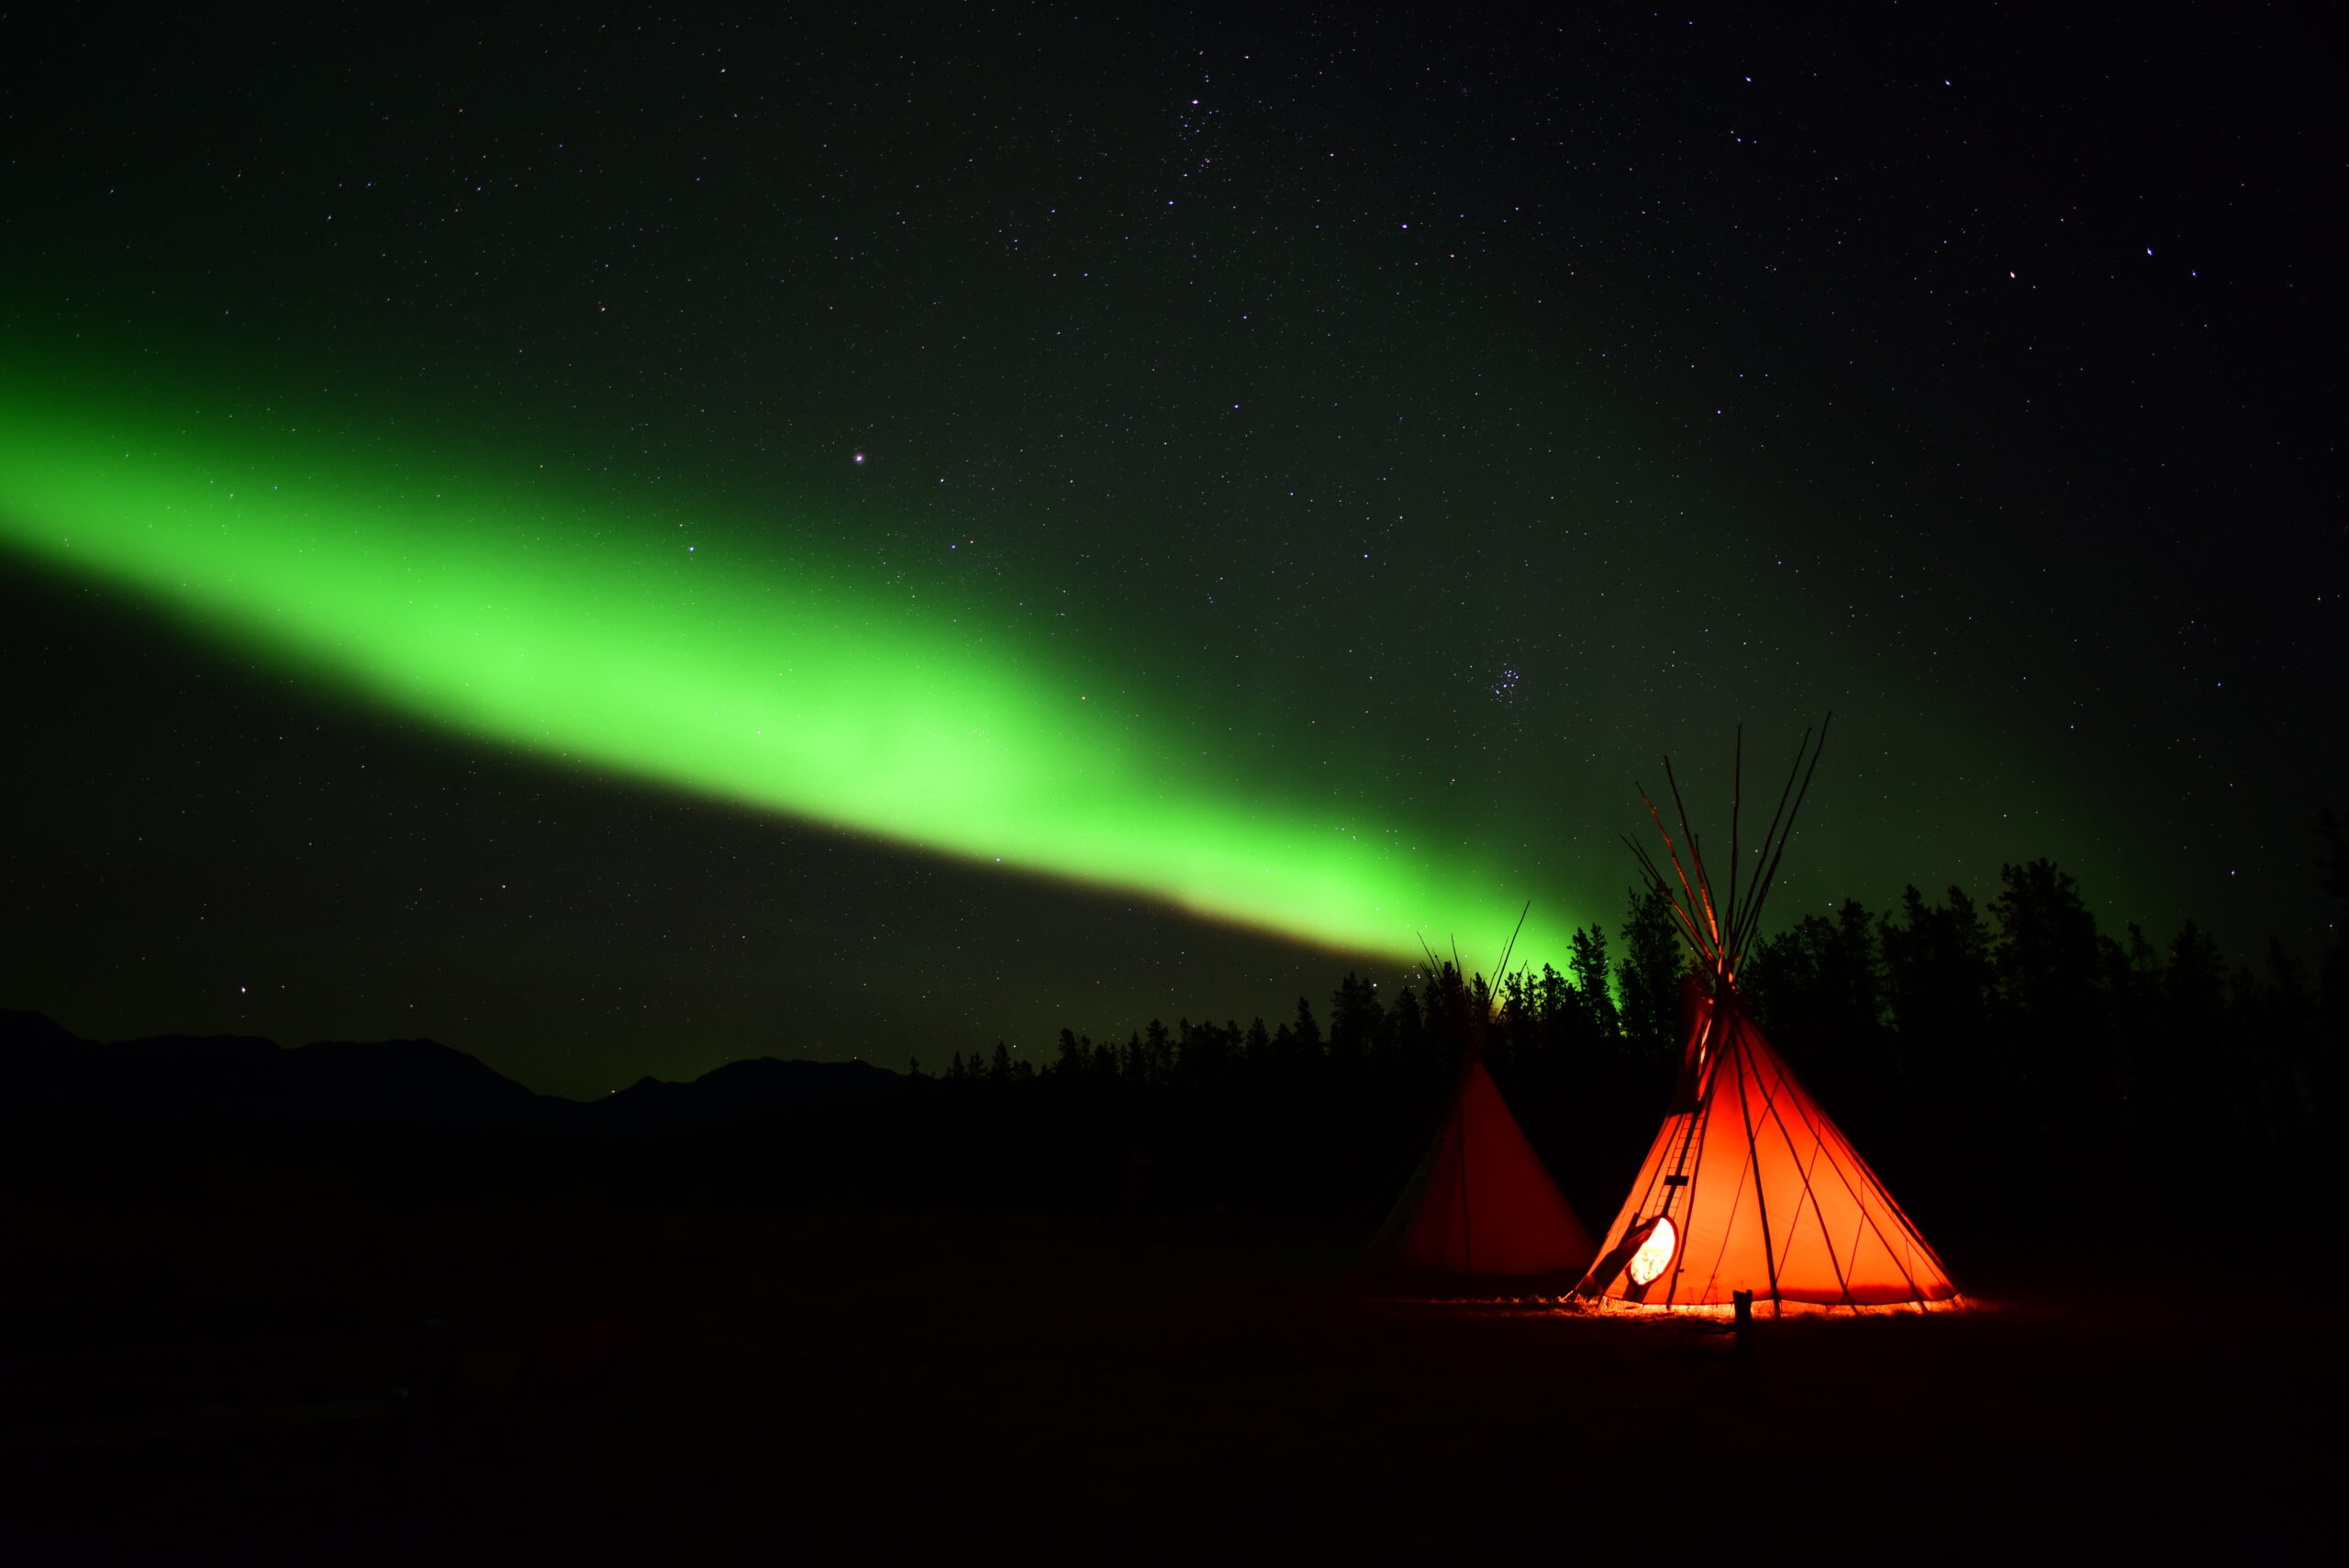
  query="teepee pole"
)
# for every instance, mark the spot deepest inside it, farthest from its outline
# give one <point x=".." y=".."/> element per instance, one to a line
<point x="1736" y="805"/>
<point x="1819" y="1151"/>
<point x="1652" y="871"/>
<point x="1753" y="1164"/>
<point x="1800" y="794"/>
<point x="1657" y="884"/>
<point x="1754" y="896"/>
<point x="1696" y="855"/>
<point x="1673" y="850"/>
<point x="1511" y="947"/>
<point x="1837" y="1149"/>
<point x="1701" y="1122"/>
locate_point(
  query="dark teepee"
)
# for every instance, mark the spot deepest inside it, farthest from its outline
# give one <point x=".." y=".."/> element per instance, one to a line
<point x="1748" y="1189"/>
<point x="1480" y="1201"/>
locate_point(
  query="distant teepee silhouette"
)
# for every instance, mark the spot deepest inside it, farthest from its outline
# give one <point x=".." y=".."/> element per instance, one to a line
<point x="1480" y="1201"/>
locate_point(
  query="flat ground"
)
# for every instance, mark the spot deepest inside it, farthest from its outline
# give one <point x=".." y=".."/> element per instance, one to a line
<point x="842" y="1387"/>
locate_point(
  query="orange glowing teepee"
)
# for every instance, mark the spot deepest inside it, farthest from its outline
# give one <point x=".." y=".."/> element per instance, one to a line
<point x="1749" y="1187"/>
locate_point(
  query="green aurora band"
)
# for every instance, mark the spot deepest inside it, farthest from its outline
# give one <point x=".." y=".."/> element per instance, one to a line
<point x="490" y="606"/>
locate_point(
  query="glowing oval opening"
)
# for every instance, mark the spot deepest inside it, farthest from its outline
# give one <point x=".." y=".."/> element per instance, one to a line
<point x="1655" y="1252"/>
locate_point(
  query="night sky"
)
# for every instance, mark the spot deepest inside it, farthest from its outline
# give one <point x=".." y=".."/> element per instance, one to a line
<point x="627" y="542"/>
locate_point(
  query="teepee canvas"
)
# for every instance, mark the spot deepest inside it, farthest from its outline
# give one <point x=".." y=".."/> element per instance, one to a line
<point x="1481" y="1202"/>
<point x="1749" y="1188"/>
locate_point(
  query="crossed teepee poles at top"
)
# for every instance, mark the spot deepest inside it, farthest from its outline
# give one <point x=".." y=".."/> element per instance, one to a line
<point x="1720" y="932"/>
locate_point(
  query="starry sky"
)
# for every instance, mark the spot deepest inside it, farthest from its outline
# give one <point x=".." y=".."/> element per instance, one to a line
<point x="624" y="542"/>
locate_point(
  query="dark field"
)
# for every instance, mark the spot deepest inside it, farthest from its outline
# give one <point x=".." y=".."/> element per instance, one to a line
<point x="845" y="1387"/>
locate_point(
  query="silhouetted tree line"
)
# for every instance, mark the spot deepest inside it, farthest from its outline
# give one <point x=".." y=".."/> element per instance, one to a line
<point x="2006" y="1066"/>
<point x="2021" y="1050"/>
<point x="1325" y="1109"/>
<point x="1993" y="1062"/>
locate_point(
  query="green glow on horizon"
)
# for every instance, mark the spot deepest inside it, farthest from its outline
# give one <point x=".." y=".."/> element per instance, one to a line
<point x="495" y="607"/>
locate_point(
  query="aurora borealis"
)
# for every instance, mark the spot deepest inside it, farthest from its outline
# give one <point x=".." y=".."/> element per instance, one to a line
<point x="627" y="543"/>
<point x="535" y="621"/>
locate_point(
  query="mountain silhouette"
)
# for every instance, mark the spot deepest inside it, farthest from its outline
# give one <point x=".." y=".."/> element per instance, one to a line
<point x="737" y="1089"/>
<point x="232" y="1083"/>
